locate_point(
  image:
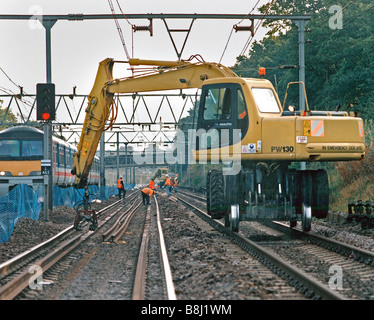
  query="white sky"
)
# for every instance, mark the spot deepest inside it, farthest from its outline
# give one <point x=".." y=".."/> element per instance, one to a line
<point x="78" y="47"/>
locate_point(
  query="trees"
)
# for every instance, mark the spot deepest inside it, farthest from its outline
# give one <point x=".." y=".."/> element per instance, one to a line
<point x="339" y="61"/>
<point x="10" y="117"/>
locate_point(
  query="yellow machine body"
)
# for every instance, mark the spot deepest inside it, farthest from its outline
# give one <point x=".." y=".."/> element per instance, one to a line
<point x="291" y="137"/>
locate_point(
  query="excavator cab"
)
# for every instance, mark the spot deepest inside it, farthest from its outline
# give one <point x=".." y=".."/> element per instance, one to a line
<point x="222" y="106"/>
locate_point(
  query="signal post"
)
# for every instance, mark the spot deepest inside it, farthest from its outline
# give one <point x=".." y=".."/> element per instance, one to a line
<point x="45" y="111"/>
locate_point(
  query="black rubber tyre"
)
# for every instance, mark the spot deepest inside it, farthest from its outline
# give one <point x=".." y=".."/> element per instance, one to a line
<point x="216" y="207"/>
<point x="320" y="201"/>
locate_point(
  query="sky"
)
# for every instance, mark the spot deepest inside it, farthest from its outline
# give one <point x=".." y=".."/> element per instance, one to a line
<point x="79" y="46"/>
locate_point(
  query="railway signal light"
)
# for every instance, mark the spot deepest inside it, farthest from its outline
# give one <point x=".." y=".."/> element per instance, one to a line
<point x="45" y="101"/>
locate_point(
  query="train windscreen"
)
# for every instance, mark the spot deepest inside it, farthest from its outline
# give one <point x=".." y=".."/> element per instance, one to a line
<point x="22" y="149"/>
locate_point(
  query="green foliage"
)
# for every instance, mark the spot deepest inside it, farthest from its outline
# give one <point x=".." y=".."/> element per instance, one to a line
<point x="6" y="116"/>
<point x="339" y="62"/>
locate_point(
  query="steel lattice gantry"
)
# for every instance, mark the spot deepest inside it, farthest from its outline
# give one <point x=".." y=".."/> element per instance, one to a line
<point x="155" y="119"/>
<point x="141" y="118"/>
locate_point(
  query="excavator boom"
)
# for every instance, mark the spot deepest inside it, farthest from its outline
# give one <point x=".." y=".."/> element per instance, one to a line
<point x="165" y="75"/>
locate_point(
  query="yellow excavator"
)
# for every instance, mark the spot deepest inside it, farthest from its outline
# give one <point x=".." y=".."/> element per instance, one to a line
<point x="242" y="124"/>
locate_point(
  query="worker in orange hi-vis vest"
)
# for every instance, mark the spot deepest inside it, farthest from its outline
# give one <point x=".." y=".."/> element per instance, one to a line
<point x="147" y="193"/>
<point x="152" y="184"/>
<point x="167" y="185"/>
<point x="176" y="183"/>
<point x="121" y="188"/>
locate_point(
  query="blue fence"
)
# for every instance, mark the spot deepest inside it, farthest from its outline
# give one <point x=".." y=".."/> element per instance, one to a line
<point x="22" y="201"/>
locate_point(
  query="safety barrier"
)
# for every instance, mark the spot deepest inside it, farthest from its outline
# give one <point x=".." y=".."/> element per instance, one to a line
<point x="24" y="202"/>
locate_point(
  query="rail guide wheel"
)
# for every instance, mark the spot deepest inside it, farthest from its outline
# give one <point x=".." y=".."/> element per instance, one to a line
<point x="306" y="222"/>
<point x="234" y="218"/>
<point x="306" y="204"/>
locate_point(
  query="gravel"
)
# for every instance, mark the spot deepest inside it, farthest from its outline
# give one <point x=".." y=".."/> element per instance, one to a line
<point x="349" y="232"/>
<point x="28" y="233"/>
<point x="203" y="263"/>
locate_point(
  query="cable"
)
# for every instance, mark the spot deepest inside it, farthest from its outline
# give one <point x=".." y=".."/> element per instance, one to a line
<point x="132" y="27"/>
<point x="363" y="11"/>
<point x="224" y="50"/>
<point x="10" y="92"/>
<point x="119" y="29"/>
<point x="228" y="40"/>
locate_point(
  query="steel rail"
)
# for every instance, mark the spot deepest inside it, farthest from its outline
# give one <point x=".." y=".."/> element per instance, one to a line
<point x="140" y="276"/>
<point x="122" y="229"/>
<point x="23" y="280"/>
<point x="363" y="256"/>
<point x="18" y="284"/>
<point x="141" y="267"/>
<point x="170" y="290"/>
<point x="13" y="264"/>
<point x="108" y="235"/>
<point x="195" y="196"/>
<point x="270" y="259"/>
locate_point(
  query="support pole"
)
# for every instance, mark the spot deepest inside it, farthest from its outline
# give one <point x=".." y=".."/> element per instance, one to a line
<point x="102" y="166"/>
<point x="48" y="152"/>
<point x="301" y="26"/>
<point x="118" y="156"/>
<point x="46" y="177"/>
<point x="126" y="181"/>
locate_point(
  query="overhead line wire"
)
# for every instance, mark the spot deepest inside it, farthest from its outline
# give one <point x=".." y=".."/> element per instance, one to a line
<point x="228" y="40"/>
<point x="257" y="26"/>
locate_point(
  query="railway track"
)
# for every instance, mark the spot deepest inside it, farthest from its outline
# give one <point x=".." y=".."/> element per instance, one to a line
<point x="105" y="266"/>
<point x="67" y="255"/>
<point x="346" y="268"/>
<point x="352" y="267"/>
<point x="160" y="266"/>
<point x="18" y="274"/>
<point x="39" y="259"/>
<point x="268" y="253"/>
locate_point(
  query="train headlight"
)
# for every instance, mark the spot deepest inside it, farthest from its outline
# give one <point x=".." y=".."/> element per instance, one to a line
<point x="2" y="173"/>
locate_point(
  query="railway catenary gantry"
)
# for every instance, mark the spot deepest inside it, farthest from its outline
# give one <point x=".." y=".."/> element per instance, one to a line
<point x="48" y="21"/>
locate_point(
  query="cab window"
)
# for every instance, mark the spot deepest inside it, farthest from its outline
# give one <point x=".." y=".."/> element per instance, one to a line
<point x="242" y="109"/>
<point x="32" y="148"/>
<point x="265" y="100"/>
<point x="217" y="104"/>
<point x="10" y="148"/>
